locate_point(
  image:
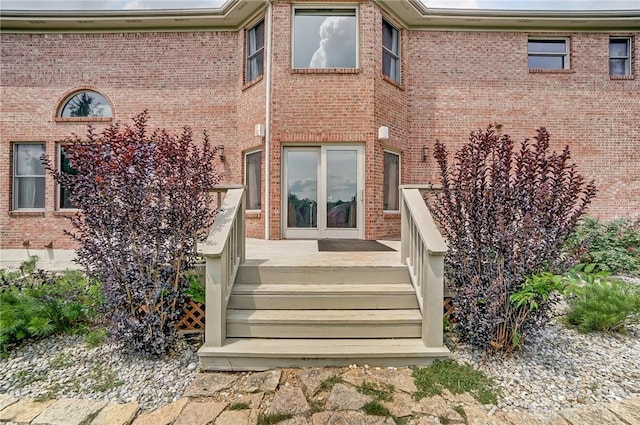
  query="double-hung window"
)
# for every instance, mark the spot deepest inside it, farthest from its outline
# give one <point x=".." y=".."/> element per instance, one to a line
<point x="253" y="166"/>
<point x="28" y="176"/>
<point x="255" y="52"/>
<point x="547" y="53"/>
<point x="620" y="56"/>
<point x="390" y="51"/>
<point x="391" y="181"/>
<point x="325" y="38"/>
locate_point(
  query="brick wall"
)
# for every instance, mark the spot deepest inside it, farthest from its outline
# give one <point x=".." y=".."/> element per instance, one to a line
<point x="452" y="82"/>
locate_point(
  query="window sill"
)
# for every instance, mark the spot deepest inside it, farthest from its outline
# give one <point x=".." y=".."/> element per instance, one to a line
<point x="550" y="71"/>
<point x="253" y="213"/>
<point x="65" y="213"/>
<point x="390" y="213"/>
<point x="252" y="82"/>
<point x="20" y="213"/>
<point x="325" y="70"/>
<point x="83" y="119"/>
<point x="393" y="82"/>
<point x="621" y="77"/>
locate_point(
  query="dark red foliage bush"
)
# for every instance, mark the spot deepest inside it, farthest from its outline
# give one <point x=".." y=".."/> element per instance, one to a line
<point x="143" y="205"/>
<point x="505" y="213"/>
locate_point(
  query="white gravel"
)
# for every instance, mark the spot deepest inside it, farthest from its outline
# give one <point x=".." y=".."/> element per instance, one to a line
<point x="562" y="368"/>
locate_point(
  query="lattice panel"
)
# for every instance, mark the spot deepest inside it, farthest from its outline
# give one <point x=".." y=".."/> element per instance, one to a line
<point x="449" y="309"/>
<point x="193" y="318"/>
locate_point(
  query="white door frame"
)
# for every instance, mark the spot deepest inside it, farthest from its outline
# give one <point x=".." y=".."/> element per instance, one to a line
<point x="322" y="231"/>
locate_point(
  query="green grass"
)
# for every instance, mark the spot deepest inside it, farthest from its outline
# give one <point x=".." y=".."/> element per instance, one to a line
<point x="273" y="419"/>
<point x="457" y="379"/>
<point x="95" y="337"/>
<point x="380" y="392"/>
<point x="239" y="406"/>
<point x="104" y="378"/>
<point x="374" y="408"/>
<point x="328" y="383"/>
<point x="61" y="361"/>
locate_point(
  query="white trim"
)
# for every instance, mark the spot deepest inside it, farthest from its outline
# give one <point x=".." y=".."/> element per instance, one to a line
<point x="328" y="7"/>
<point x="566" y="54"/>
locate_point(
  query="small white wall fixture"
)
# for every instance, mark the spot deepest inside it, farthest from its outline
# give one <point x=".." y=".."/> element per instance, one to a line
<point x="383" y="133"/>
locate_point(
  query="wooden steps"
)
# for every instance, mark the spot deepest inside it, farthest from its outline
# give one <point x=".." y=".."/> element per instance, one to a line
<point x="281" y="316"/>
<point x="262" y="354"/>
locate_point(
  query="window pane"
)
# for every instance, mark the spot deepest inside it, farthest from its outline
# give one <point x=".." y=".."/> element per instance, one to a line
<point x="546" y="62"/>
<point x="390" y="66"/>
<point x="64" y="195"/>
<point x="255" y="38"/>
<point x="617" y="66"/>
<point x="28" y="162"/>
<point x="391" y="181"/>
<point x="547" y="46"/>
<point x="325" y="39"/>
<point x="86" y="104"/>
<point x="253" y="180"/>
<point x="618" y="48"/>
<point x="389" y="37"/>
<point x="29" y="192"/>
<point x="255" y="66"/>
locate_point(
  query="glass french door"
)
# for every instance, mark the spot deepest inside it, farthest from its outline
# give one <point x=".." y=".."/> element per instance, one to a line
<point x="323" y="192"/>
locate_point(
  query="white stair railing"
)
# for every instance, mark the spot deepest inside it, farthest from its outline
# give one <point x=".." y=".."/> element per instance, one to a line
<point x="423" y="250"/>
<point x="224" y="251"/>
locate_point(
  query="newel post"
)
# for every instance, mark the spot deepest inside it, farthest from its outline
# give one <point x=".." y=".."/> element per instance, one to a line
<point x="215" y="308"/>
<point x="433" y="294"/>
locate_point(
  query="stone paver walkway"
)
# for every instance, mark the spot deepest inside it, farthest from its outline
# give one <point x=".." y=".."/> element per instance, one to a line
<point x="306" y="397"/>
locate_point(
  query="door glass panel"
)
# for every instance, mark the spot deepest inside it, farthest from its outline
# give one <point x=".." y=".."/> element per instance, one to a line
<point x="302" y="188"/>
<point x="342" y="186"/>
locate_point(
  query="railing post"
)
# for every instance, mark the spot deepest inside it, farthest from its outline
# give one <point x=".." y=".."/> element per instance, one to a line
<point x="215" y="306"/>
<point x="433" y="296"/>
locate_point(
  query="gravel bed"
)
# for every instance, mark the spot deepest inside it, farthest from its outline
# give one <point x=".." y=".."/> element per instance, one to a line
<point x="561" y="368"/>
<point x="63" y="366"/>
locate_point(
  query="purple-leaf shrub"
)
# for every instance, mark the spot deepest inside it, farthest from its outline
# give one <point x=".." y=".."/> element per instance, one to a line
<point x="143" y="205"/>
<point x="505" y="213"/>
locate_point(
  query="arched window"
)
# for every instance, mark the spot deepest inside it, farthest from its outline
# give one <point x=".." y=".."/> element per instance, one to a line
<point x="86" y="104"/>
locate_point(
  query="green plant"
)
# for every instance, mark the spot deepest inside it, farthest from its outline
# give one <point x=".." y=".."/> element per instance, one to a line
<point x="506" y="213"/>
<point x="274" y="418"/>
<point x="380" y="392"/>
<point x="599" y="303"/>
<point x="239" y="406"/>
<point x="329" y="382"/>
<point x="38" y="303"/>
<point x="95" y="337"/>
<point x="612" y="246"/>
<point x="196" y="290"/>
<point x="374" y="408"/>
<point x="456" y="378"/>
<point x="61" y="361"/>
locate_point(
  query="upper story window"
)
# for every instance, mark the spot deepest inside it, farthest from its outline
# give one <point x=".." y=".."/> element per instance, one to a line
<point x="546" y="53"/>
<point x="28" y="176"/>
<point x="325" y="38"/>
<point x="86" y="104"/>
<point x="390" y="51"/>
<point x="620" y="56"/>
<point x="255" y="52"/>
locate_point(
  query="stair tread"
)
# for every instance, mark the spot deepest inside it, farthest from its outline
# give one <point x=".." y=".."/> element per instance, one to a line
<point x="337" y="289"/>
<point x="316" y="348"/>
<point x="324" y="316"/>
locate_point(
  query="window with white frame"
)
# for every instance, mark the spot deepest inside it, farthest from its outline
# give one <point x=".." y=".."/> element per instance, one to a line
<point x="63" y="200"/>
<point x="28" y="176"/>
<point x="390" y="51"/>
<point x="620" y="56"/>
<point x="548" y="53"/>
<point x="253" y="166"/>
<point x="391" y="181"/>
<point x="325" y="38"/>
<point x="255" y="52"/>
